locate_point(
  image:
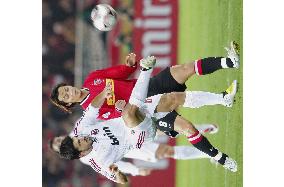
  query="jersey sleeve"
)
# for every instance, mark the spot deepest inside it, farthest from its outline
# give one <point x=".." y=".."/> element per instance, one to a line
<point x="90" y="115"/>
<point x="89" y="118"/>
<point x="127" y="167"/>
<point x="100" y="168"/>
<point x="115" y="72"/>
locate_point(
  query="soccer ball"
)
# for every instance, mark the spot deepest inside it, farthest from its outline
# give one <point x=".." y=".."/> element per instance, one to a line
<point x="104" y="17"/>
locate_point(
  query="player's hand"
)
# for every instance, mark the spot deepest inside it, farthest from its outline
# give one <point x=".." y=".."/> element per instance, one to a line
<point x="144" y="172"/>
<point x="107" y="91"/>
<point x="120" y="177"/>
<point x="130" y="59"/>
<point x="119" y="105"/>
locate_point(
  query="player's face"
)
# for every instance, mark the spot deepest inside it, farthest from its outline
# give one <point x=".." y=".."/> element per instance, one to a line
<point x="69" y="94"/>
<point x="57" y="142"/>
<point x="82" y="143"/>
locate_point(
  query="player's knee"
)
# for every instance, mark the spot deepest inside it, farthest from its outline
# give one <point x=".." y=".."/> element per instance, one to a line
<point x="169" y="101"/>
<point x="172" y="100"/>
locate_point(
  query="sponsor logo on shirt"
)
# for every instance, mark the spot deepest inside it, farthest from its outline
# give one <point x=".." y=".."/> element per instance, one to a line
<point x="111" y="100"/>
<point x="106" y="115"/>
<point x="111" y="136"/>
<point x="97" y="81"/>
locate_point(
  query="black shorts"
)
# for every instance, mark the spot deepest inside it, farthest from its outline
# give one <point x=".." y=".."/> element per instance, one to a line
<point x="166" y="124"/>
<point x="164" y="82"/>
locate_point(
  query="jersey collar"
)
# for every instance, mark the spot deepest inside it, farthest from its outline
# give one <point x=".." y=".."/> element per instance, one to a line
<point x="85" y="99"/>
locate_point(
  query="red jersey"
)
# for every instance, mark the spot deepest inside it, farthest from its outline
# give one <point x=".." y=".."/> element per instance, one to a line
<point x="121" y="87"/>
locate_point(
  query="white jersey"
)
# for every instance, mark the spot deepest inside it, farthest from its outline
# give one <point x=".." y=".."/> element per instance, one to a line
<point x="112" y="139"/>
<point x="98" y="164"/>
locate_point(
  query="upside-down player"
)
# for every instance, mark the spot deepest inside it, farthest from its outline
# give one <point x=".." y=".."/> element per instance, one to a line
<point x="150" y="152"/>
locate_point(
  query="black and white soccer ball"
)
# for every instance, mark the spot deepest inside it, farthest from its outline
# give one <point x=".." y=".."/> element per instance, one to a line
<point x="104" y="17"/>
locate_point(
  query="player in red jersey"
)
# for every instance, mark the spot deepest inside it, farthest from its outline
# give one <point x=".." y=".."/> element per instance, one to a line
<point x="169" y="80"/>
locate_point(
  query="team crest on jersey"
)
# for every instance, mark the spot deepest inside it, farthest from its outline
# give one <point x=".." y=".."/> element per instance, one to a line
<point x="132" y="132"/>
<point x="97" y="81"/>
<point x="94" y="131"/>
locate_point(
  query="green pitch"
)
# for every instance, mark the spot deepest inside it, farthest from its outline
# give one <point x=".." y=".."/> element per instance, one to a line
<point x="205" y="27"/>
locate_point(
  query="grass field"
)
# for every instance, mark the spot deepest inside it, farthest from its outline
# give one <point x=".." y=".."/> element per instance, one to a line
<point x="205" y="27"/>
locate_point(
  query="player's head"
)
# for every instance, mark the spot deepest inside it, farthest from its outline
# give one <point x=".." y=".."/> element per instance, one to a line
<point x="55" y="142"/>
<point x="65" y="97"/>
<point x="75" y="148"/>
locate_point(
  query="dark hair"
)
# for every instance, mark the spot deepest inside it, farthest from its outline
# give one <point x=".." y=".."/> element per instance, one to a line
<point x="60" y="104"/>
<point x="67" y="149"/>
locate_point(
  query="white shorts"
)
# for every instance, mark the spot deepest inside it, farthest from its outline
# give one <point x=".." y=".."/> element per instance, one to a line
<point x="146" y="153"/>
<point x="143" y="133"/>
<point x="150" y="105"/>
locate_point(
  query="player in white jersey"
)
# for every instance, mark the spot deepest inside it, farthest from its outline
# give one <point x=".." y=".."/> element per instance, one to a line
<point x="139" y="130"/>
<point x="150" y="152"/>
<point x="113" y="141"/>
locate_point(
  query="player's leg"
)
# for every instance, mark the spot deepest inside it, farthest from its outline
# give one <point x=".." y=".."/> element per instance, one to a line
<point x="140" y="90"/>
<point x="179" y="152"/>
<point x="174" y="123"/>
<point x="201" y="142"/>
<point x="131" y="115"/>
<point x="196" y="99"/>
<point x="152" y="152"/>
<point x="206" y="65"/>
<point x="173" y="79"/>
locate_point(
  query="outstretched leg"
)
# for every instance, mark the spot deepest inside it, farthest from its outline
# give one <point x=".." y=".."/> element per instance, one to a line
<point x="181" y="73"/>
<point x="185" y="152"/>
<point x="196" y="99"/>
<point x="131" y="114"/>
<point x="179" y="152"/>
<point x="201" y="142"/>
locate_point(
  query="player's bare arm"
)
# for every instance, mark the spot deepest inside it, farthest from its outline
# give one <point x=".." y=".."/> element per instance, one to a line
<point x="100" y="98"/>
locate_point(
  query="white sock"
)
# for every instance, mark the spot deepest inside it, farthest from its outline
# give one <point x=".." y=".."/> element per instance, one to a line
<point x="202" y="127"/>
<point x="140" y="90"/>
<point x="224" y="63"/>
<point x="188" y="152"/>
<point x="196" y="99"/>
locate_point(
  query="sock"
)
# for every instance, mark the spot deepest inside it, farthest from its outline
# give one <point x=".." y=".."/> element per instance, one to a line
<point x="201" y="143"/>
<point x="220" y="157"/>
<point x="211" y="64"/>
<point x="188" y="152"/>
<point x="196" y="99"/>
<point x="140" y="90"/>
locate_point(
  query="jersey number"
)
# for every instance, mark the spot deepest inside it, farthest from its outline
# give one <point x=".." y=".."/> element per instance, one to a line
<point x="163" y="124"/>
